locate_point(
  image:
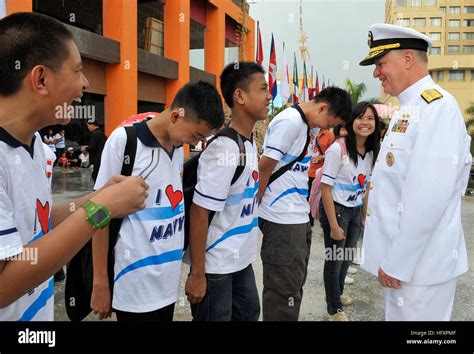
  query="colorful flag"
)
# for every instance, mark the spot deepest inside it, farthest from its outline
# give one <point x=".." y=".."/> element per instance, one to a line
<point x="272" y="70"/>
<point x="285" y="84"/>
<point x="317" y="84"/>
<point x="295" y="81"/>
<point x="259" y="54"/>
<point x="305" y="84"/>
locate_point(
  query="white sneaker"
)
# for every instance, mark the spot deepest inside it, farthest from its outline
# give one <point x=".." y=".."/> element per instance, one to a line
<point x="339" y="316"/>
<point x="348" y="280"/>
<point x="352" y="270"/>
<point x="346" y="300"/>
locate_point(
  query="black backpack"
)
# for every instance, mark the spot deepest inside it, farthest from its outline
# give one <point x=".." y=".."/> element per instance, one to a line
<point x="285" y="168"/>
<point x="79" y="271"/>
<point x="190" y="176"/>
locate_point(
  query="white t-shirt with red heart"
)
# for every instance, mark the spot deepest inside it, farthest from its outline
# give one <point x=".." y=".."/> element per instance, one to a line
<point x="233" y="233"/>
<point x="349" y="182"/>
<point x="149" y="249"/>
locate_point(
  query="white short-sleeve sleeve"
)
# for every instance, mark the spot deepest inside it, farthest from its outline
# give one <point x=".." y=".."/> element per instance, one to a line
<point x="112" y="157"/>
<point x="280" y="136"/>
<point x="217" y="165"/>
<point x="10" y="239"/>
<point x="332" y="164"/>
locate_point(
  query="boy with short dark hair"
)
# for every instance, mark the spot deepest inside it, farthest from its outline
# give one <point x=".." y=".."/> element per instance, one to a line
<point x="41" y="70"/>
<point x="284" y="209"/>
<point x="221" y="285"/>
<point x="149" y="248"/>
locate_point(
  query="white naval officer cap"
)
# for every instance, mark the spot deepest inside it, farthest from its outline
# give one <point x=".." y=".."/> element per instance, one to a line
<point x="383" y="37"/>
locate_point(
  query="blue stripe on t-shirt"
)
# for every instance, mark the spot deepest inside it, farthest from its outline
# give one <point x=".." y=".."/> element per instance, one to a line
<point x="8" y="231"/>
<point x="235" y="199"/>
<point x="160" y="213"/>
<point x="271" y="147"/>
<point x="348" y="187"/>
<point x="244" y="229"/>
<point x="289" y="158"/>
<point x="301" y="191"/>
<point x="39" y="303"/>
<point x="171" y="256"/>
<point x="208" y="196"/>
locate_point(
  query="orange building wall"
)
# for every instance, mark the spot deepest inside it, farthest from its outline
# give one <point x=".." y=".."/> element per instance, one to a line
<point x="19" y="6"/>
<point x="120" y="24"/>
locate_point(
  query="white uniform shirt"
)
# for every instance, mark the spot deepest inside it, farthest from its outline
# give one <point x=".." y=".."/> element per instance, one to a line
<point x="232" y="238"/>
<point x="348" y="181"/>
<point x="51" y="146"/>
<point x="149" y="248"/>
<point x="284" y="200"/>
<point x="413" y="228"/>
<point x="61" y="144"/>
<point x="25" y="209"/>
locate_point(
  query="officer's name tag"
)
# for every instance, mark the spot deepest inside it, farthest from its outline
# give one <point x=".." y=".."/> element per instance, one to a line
<point x="401" y="126"/>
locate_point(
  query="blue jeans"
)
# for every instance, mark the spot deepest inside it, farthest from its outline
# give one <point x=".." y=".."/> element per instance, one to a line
<point x="229" y="297"/>
<point x="339" y="254"/>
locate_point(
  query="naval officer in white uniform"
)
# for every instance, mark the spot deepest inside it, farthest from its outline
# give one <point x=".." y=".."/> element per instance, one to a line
<point x="413" y="240"/>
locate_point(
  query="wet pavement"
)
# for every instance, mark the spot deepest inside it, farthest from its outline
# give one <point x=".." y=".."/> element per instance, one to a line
<point x="367" y="294"/>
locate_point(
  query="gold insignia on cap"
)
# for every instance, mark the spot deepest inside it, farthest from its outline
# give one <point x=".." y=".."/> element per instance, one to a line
<point x="390" y="159"/>
<point x="370" y="38"/>
<point x="384" y="47"/>
<point x="431" y="95"/>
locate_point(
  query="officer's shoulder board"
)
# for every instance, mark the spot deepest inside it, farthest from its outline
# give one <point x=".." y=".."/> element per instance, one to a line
<point x="431" y="95"/>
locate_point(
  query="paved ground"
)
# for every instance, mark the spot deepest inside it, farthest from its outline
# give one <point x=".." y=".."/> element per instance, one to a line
<point x="366" y="292"/>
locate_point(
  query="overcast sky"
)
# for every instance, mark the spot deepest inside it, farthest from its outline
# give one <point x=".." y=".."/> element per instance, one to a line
<point x="337" y="36"/>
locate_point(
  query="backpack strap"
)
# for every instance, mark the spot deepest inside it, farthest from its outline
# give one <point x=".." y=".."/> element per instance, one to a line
<point x="130" y="150"/>
<point x="127" y="169"/>
<point x="231" y="133"/>
<point x="235" y="136"/>
<point x="285" y="168"/>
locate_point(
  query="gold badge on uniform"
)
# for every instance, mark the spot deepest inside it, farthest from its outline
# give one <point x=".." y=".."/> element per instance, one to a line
<point x="390" y="158"/>
<point x="431" y="95"/>
<point x="401" y="126"/>
<point x="370" y="38"/>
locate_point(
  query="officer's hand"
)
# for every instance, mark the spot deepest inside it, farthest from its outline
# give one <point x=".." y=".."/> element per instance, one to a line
<point x="337" y="233"/>
<point x="195" y="289"/>
<point x="387" y="281"/>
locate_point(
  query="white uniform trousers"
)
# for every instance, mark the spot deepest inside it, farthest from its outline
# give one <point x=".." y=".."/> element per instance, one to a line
<point x="420" y="303"/>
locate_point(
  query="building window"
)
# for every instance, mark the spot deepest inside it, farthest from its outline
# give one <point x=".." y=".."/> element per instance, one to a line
<point x="454" y="36"/>
<point x="454" y="23"/>
<point x="435" y="36"/>
<point x="150" y="25"/>
<point x="419" y="22"/>
<point x="442" y="9"/>
<point x="401" y="3"/>
<point x="456" y="75"/>
<point x="469" y="35"/>
<point x="430" y="2"/>
<point x="435" y="21"/>
<point x="439" y="75"/>
<point x="472" y="75"/>
<point x="468" y="23"/>
<point x="468" y="49"/>
<point x="435" y="51"/>
<point x="454" y="10"/>
<point x="469" y="9"/>
<point x="405" y="22"/>
<point x="85" y="14"/>
<point x="415" y="3"/>
<point x="453" y="49"/>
